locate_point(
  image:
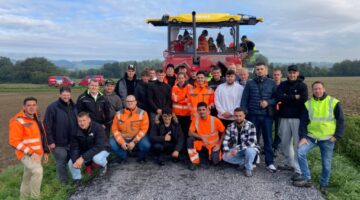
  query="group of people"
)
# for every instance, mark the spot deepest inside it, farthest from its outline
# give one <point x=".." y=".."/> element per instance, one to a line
<point x="169" y="115"/>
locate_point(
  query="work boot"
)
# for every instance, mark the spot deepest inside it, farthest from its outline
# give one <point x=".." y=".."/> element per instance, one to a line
<point x="297" y="177"/>
<point x="302" y="183"/>
<point x="323" y="190"/>
<point x="103" y="171"/>
<point x="193" y="167"/>
<point x="88" y="170"/>
<point x="285" y="167"/>
<point x="76" y="182"/>
<point x="248" y="173"/>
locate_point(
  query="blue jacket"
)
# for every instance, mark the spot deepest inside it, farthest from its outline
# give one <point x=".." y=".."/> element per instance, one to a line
<point x="251" y="97"/>
<point x="60" y="122"/>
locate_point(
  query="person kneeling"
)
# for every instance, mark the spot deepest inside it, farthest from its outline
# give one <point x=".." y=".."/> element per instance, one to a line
<point x="166" y="136"/>
<point x="239" y="142"/>
<point x="87" y="147"/>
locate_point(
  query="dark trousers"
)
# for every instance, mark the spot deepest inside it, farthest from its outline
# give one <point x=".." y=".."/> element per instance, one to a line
<point x="263" y="125"/>
<point x="277" y="139"/>
<point x="226" y="122"/>
<point x="184" y="122"/>
<point x="62" y="156"/>
<point x="162" y="150"/>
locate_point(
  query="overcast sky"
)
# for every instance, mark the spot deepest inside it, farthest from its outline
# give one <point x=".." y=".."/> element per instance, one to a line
<point x="293" y="31"/>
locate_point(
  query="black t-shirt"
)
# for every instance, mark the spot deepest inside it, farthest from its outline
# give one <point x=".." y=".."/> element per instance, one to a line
<point x="130" y="86"/>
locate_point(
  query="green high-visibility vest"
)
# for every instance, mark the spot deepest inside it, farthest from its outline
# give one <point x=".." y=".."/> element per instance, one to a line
<point x="322" y="120"/>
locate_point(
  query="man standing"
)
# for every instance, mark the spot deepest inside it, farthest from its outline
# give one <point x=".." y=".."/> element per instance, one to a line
<point x="258" y="101"/>
<point x="217" y="79"/>
<point x="227" y="98"/>
<point x="60" y="123"/>
<point x="126" y="85"/>
<point x="292" y="94"/>
<point x="141" y="91"/>
<point x="93" y="102"/>
<point x="129" y="129"/>
<point x="87" y="147"/>
<point x="243" y="73"/>
<point x="239" y="142"/>
<point x="321" y="124"/>
<point x="166" y="136"/>
<point x="200" y="93"/>
<point x="115" y="103"/>
<point x="27" y="135"/>
<point x="159" y="95"/>
<point x="247" y="45"/>
<point x="204" y="133"/>
<point x="152" y="74"/>
<point x="192" y="78"/>
<point x="277" y="75"/>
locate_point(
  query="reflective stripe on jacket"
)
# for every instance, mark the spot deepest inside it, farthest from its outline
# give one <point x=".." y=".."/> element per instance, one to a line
<point x="179" y="99"/>
<point x="322" y="120"/>
<point x="131" y="125"/>
<point x="25" y="135"/>
<point x="199" y="94"/>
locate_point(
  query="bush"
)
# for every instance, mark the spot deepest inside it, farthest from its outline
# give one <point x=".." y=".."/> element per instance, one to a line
<point x="349" y="145"/>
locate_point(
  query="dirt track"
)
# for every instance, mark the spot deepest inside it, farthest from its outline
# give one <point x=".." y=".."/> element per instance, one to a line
<point x="10" y="104"/>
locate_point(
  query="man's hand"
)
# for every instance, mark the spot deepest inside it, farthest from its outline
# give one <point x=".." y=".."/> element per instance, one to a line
<point x="302" y="142"/>
<point x="226" y="115"/>
<point x="175" y="154"/>
<point x="159" y="111"/>
<point x="263" y="103"/>
<point x="234" y="152"/>
<point x="131" y="145"/>
<point x="216" y="147"/>
<point x="52" y="146"/>
<point x="124" y="146"/>
<point x="297" y="96"/>
<point x="204" y="140"/>
<point x="78" y="163"/>
<point x="333" y="139"/>
<point x="46" y="158"/>
<point x="168" y="137"/>
<point x="36" y="157"/>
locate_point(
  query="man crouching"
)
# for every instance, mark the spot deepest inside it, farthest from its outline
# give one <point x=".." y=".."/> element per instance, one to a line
<point x="87" y="146"/>
<point x="239" y="142"/>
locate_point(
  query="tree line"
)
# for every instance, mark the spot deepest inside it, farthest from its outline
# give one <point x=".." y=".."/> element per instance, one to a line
<point x="37" y="69"/>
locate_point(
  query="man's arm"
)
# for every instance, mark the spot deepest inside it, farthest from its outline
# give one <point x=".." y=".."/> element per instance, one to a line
<point x="99" y="145"/>
<point x="48" y="123"/>
<point x="143" y="128"/>
<point x="340" y="122"/>
<point x="245" y="98"/>
<point x="304" y="121"/>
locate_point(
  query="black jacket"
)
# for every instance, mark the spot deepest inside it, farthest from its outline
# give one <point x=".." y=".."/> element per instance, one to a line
<point x="99" y="110"/>
<point x="159" y="96"/>
<point x="285" y="93"/>
<point x="60" y="122"/>
<point x="158" y="132"/>
<point x="121" y="88"/>
<point x="87" y="143"/>
<point x="214" y="84"/>
<point x="339" y="116"/>
<point x="141" y="95"/>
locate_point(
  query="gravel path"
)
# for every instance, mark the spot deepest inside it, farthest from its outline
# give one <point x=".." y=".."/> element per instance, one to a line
<point x="175" y="181"/>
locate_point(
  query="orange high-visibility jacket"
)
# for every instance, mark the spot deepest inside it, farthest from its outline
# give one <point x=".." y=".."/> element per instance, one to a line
<point x="130" y="125"/>
<point x="199" y="94"/>
<point x="179" y="99"/>
<point x="208" y="128"/>
<point x="203" y="44"/>
<point x="25" y="135"/>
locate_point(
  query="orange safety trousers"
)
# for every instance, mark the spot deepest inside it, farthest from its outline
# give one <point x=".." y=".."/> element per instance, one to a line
<point x="197" y="146"/>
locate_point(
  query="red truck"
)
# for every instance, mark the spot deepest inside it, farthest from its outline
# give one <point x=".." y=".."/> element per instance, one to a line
<point x="86" y="80"/>
<point x="56" y="81"/>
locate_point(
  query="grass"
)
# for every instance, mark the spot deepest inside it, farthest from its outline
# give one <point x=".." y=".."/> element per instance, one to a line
<point x="33" y="88"/>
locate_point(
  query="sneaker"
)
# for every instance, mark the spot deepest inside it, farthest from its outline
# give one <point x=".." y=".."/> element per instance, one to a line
<point x="248" y="173"/>
<point x="88" y="170"/>
<point x="271" y="168"/>
<point x="175" y="160"/>
<point x="323" y="190"/>
<point x="285" y="167"/>
<point x="302" y="183"/>
<point x="103" y="171"/>
<point x="77" y="182"/>
<point x="193" y="167"/>
<point x="297" y="177"/>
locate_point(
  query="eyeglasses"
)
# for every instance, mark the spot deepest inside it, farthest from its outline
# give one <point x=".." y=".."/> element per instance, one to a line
<point x="130" y="101"/>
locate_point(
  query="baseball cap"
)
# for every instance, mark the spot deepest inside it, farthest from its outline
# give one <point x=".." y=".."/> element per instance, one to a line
<point x="292" y="68"/>
<point x="194" y="69"/>
<point x="131" y="67"/>
<point x="109" y="81"/>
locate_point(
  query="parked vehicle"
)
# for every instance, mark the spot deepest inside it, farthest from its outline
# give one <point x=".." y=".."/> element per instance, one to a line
<point x="56" y="81"/>
<point x="86" y="80"/>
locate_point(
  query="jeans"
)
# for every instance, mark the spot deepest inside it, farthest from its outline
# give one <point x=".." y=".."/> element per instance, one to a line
<point x="62" y="157"/>
<point x="143" y="145"/>
<point x="244" y="157"/>
<point x="326" y="150"/>
<point x="100" y="159"/>
<point x="263" y="126"/>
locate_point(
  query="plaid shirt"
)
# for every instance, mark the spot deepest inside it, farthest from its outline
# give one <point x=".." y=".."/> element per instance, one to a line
<point x="247" y="136"/>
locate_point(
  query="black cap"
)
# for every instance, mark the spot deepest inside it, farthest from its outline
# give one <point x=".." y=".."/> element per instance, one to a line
<point x="243" y="37"/>
<point x="131" y="67"/>
<point x="110" y="81"/>
<point x="170" y="65"/>
<point x="167" y="111"/>
<point x="292" y="68"/>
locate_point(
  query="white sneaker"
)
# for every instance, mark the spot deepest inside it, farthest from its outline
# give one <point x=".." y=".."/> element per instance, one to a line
<point x="271" y="168"/>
